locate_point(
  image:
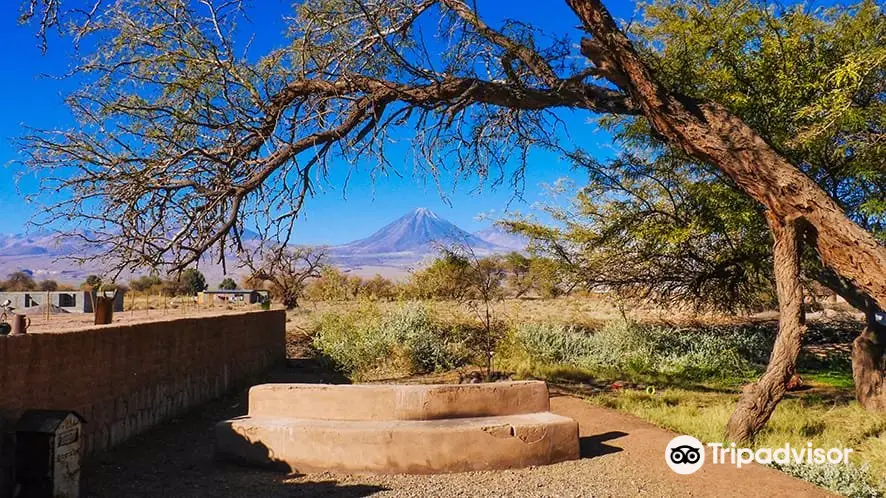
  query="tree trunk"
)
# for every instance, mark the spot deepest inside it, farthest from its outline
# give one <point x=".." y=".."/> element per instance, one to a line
<point x="868" y="349"/>
<point x="710" y="133"/>
<point x="869" y="363"/>
<point x="290" y="301"/>
<point x="103" y="308"/>
<point x="759" y="399"/>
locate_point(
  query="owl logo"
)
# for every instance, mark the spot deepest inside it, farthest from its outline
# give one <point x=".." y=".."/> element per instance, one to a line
<point x="684" y="454"/>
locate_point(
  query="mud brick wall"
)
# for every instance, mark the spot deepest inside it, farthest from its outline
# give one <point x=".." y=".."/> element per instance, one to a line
<point x="124" y="379"/>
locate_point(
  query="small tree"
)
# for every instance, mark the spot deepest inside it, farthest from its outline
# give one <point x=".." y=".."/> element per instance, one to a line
<point x="379" y="288"/>
<point x="445" y="278"/>
<point x="485" y="279"/>
<point x="48" y="285"/>
<point x="287" y="269"/>
<point x="145" y="283"/>
<point x="227" y="284"/>
<point x="92" y="283"/>
<point x="518" y="276"/>
<point x="192" y="282"/>
<point x="20" y="281"/>
<point x="477" y="282"/>
<point x="332" y="284"/>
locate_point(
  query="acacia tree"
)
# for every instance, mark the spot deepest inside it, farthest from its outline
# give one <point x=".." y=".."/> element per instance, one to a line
<point x="659" y="230"/>
<point x="287" y="270"/>
<point x="182" y="139"/>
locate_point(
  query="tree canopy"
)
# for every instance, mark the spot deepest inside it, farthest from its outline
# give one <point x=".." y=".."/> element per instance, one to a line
<point x="654" y="223"/>
<point x="182" y="139"/>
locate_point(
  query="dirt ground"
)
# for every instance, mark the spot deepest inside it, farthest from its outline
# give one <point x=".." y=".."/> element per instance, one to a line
<point x="66" y="322"/>
<point x="621" y="456"/>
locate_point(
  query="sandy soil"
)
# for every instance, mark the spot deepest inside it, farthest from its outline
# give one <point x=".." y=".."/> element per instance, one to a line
<point x="67" y="322"/>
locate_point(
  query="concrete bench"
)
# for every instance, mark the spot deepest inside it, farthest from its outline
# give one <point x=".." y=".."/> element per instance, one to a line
<point x="398" y="428"/>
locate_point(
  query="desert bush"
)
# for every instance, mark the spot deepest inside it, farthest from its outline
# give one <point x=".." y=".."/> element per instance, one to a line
<point x="854" y="481"/>
<point x="18" y="281"/>
<point x="431" y="345"/>
<point x="351" y="339"/>
<point x="333" y="284"/>
<point x="554" y="343"/>
<point x="447" y="277"/>
<point x="378" y="288"/>
<point x="627" y="348"/>
<point x="145" y="283"/>
<point x="408" y="340"/>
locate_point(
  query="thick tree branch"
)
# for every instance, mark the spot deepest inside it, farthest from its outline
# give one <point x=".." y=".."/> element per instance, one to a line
<point x="711" y="134"/>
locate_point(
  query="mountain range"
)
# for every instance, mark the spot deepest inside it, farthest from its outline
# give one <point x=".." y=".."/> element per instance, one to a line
<point x="392" y="250"/>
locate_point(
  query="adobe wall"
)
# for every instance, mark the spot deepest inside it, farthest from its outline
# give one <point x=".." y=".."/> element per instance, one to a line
<point x="123" y="379"/>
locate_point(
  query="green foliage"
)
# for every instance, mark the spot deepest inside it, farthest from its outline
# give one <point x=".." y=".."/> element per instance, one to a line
<point x="854" y="481"/>
<point x="227" y="284"/>
<point x="351" y="340"/>
<point x="460" y="277"/>
<point x="518" y="280"/>
<point x="92" y="282"/>
<point x="554" y="343"/>
<point x="191" y="282"/>
<point x="333" y="285"/>
<point x="145" y="283"/>
<point x="653" y="224"/>
<point x="641" y="351"/>
<point x="811" y="81"/>
<point x="548" y="277"/>
<point x="447" y="277"/>
<point x="378" y="288"/>
<point x="407" y="340"/>
<point x="657" y="229"/>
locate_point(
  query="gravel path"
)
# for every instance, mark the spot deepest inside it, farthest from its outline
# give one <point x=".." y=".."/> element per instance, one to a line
<point x="621" y="456"/>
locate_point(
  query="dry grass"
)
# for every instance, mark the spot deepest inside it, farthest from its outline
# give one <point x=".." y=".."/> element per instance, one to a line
<point x="826" y="415"/>
<point x="823" y="421"/>
<point x="583" y="311"/>
<point x="137" y="309"/>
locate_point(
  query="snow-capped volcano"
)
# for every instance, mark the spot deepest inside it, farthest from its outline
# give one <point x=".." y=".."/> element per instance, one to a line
<point x="420" y="231"/>
<point x="404" y="243"/>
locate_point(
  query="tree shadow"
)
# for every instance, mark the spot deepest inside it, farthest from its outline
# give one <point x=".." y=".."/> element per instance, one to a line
<point x="333" y="488"/>
<point x="306" y="370"/>
<point x="593" y="446"/>
<point x="177" y="457"/>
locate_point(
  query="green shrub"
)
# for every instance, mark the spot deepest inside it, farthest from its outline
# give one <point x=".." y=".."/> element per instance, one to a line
<point x="845" y="479"/>
<point x="351" y="339"/>
<point x="626" y="348"/>
<point x="405" y="341"/>
<point x="431" y="347"/>
<point x="549" y="343"/>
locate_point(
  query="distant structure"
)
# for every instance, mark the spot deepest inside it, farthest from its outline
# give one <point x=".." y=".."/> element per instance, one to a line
<point x="65" y="301"/>
<point x="245" y="296"/>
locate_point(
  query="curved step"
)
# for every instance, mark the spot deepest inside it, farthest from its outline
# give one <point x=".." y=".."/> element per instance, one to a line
<point x="397" y="402"/>
<point x="398" y="446"/>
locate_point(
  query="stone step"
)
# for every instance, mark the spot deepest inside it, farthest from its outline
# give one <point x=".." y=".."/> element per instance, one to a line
<point x="397" y="402"/>
<point x="399" y="446"/>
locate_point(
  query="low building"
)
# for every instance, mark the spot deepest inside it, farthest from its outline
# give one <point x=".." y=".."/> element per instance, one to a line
<point x="238" y="296"/>
<point x="77" y="301"/>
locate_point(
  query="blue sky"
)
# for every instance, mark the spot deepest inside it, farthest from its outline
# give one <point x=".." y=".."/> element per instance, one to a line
<point x="334" y="215"/>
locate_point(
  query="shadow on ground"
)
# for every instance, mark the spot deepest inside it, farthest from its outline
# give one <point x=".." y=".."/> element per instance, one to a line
<point x="176" y="459"/>
<point x="594" y="446"/>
